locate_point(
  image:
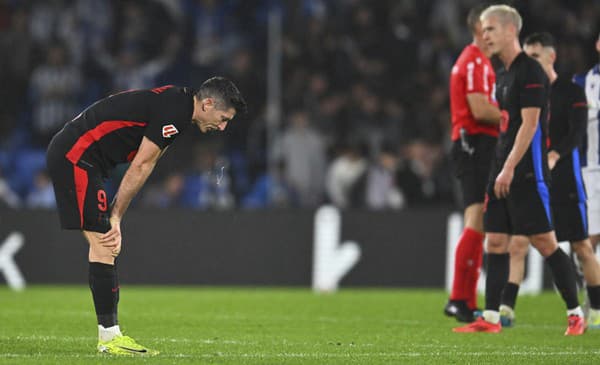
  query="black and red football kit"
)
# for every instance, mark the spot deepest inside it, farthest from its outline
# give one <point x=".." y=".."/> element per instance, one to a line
<point x="104" y="135"/>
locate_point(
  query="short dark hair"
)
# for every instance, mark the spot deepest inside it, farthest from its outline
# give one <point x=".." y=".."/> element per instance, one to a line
<point x="224" y="92"/>
<point x="473" y="16"/>
<point x="545" y="39"/>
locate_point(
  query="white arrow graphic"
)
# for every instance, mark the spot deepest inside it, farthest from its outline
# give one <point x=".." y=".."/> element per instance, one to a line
<point x="331" y="260"/>
<point x="9" y="268"/>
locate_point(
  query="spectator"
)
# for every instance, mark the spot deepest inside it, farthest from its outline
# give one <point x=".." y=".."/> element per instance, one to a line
<point x="14" y="70"/>
<point x="42" y="195"/>
<point x="271" y="190"/>
<point x="168" y="194"/>
<point x="382" y="191"/>
<point x="302" y="150"/>
<point x="129" y="72"/>
<point x="208" y="184"/>
<point x="53" y="88"/>
<point x="8" y="198"/>
<point x="344" y="182"/>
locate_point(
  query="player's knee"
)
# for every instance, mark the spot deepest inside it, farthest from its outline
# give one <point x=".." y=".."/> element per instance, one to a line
<point x="545" y="243"/>
<point x="101" y="254"/>
<point x="583" y="250"/>
<point x="518" y="248"/>
<point x="496" y="245"/>
<point x="474" y="217"/>
<point x="97" y="252"/>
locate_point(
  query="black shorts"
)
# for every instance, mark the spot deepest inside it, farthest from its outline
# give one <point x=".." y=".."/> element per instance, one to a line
<point x="471" y="160"/>
<point x="570" y="220"/>
<point x="79" y="189"/>
<point x="525" y="211"/>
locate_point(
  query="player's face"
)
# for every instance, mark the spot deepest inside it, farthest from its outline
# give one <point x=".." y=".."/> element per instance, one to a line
<point x="494" y="34"/>
<point x="211" y="118"/>
<point x="542" y="54"/>
<point x="479" y="38"/>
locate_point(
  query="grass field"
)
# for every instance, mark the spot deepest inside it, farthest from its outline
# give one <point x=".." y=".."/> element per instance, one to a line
<point x="197" y="325"/>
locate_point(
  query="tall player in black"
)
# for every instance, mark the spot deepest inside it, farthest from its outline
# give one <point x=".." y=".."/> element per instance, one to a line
<point x="567" y="126"/>
<point x="133" y="126"/>
<point x="518" y="201"/>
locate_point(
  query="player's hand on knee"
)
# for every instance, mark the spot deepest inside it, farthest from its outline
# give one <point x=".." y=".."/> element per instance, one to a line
<point x="117" y="250"/>
<point x="112" y="238"/>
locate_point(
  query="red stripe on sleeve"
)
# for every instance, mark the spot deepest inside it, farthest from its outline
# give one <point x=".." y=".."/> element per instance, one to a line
<point x="158" y="90"/>
<point x="81" y="184"/>
<point x="580" y="105"/>
<point x="93" y="135"/>
<point x="533" y="86"/>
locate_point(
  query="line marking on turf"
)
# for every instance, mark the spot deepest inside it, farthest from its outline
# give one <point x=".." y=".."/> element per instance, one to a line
<point x="325" y="354"/>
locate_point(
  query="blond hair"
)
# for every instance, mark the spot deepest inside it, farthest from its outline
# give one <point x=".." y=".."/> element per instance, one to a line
<point x="505" y="14"/>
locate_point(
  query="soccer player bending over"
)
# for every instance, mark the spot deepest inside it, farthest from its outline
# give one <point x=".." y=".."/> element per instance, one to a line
<point x="475" y="119"/>
<point x="518" y="200"/>
<point x="568" y="121"/>
<point x="134" y="126"/>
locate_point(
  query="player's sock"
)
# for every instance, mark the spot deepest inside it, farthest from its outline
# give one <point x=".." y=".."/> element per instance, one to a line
<point x="577" y="311"/>
<point x="107" y="334"/>
<point x="564" y="277"/>
<point x="594" y="296"/>
<point x="509" y="295"/>
<point x="105" y="291"/>
<point x="492" y="316"/>
<point x="465" y="263"/>
<point x="497" y="275"/>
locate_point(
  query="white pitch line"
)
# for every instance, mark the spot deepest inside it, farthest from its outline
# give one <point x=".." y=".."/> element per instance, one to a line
<point x="324" y="355"/>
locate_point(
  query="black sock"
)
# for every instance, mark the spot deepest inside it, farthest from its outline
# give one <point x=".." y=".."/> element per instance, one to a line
<point x="497" y="276"/>
<point x="594" y="296"/>
<point x="105" y="291"/>
<point x="509" y="294"/>
<point x="563" y="274"/>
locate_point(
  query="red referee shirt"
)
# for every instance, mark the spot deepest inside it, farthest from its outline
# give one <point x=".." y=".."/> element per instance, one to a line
<point x="472" y="73"/>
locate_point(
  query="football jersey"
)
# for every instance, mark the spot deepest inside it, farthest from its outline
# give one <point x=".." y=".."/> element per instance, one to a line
<point x="472" y="73"/>
<point x="590" y="82"/>
<point x="523" y="85"/>
<point x="110" y="131"/>
<point x="567" y="125"/>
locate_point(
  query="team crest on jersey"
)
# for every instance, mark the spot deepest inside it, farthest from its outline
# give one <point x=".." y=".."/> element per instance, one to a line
<point x="169" y="130"/>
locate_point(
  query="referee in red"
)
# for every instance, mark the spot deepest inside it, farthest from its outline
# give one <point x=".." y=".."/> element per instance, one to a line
<point x="475" y="119"/>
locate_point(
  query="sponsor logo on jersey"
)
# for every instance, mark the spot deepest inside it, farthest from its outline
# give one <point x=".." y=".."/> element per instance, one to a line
<point x="169" y="130"/>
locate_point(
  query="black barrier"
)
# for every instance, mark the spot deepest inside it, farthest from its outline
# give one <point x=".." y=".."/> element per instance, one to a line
<point x="405" y="249"/>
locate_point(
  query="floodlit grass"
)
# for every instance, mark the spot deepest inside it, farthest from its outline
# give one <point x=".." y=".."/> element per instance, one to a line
<point x="199" y="325"/>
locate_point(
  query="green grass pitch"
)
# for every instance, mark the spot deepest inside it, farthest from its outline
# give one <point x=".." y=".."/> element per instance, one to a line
<point x="199" y="325"/>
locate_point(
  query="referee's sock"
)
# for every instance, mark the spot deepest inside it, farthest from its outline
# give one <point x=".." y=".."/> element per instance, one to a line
<point x="105" y="291"/>
<point x="563" y="274"/>
<point x="467" y="263"/>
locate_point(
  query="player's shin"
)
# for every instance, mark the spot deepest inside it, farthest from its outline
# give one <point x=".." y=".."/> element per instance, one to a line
<point x="497" y="275"/>
<point x="105" y="292"/>
<point x="564" y="278"/>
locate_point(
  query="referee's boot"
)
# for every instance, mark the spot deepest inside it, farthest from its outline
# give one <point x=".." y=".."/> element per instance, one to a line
<point x="459" y="310"/>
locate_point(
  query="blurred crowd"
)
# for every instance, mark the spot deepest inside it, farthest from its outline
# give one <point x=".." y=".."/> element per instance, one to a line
<point x="365" y="112"/>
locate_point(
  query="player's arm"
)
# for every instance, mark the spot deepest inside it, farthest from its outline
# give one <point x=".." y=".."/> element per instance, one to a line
<point x="482" y="109"/>
<point x="477" y="89"/>
<point x="577" y="119"/>
<point x="523" y="139"/>
<point x="135" y="176"/>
